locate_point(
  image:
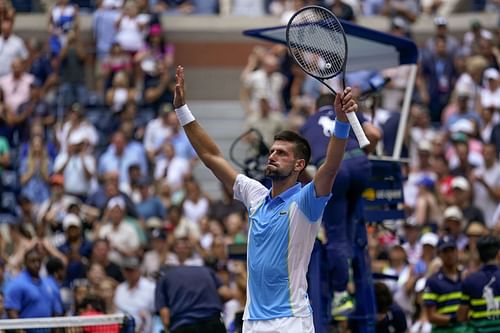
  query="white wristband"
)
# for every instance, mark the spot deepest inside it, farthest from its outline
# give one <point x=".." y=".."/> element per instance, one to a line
<point x="184" y="115"/>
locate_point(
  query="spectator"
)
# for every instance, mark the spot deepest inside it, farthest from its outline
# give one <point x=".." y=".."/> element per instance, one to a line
<point x="149" y="204"/>
<point x="196" y="204"/>
<point x="78" y="125"/>
<point x="262" y="82"/>
<point x="453" y="226"/>
<point x="390" y="317"/>
<point x="412" y="244"/>
<point x="120" y="93"/>
<point x="157" y="131"/>
<point x="156" y="50"/>
<point x="221" y="208"/>
<point x="480" y="289"/>
<point x="119" y="156"/>
<point x="184" y="254"/>
<point x="12" y="47"/>
<point x="93" y="305"/>
<point x="427" y="210"/>
<point x="129" y="28"/>
<point x="104" y="30"/>
<point x="443" y="290"/>
<point x="171" y="167"/>
<point x="35" y="110"/>
<point x="343" y="10"/>
<point x="7" y="12"/>
<point x="63" y="18"/>
<point x="235" y="229"/>
<point x="42" y="67"/>
<point x="35" y="170"/>
<point x="72" y="72"/>
<point x="117" y="61"/>
<point x="451" y="44"/>
<point x="158" y="86"/>
<point x="266" y="122"/>
<point x="473" y="36"/>
<point x="107" y="292"/>
<point x="53" y="210"/>
<point x="28" y="296"/>
<point x="463" y="199"/>
<point x="77" y="166"/>
<point x="201" y="311"/>
<point x="16" y="85"/>
<point x="180" y="225"/>
<point x="438" y="71"/>
<point x="155" y="258"/>
<point x="100" y="255"/>
<point x="174" y="6"/>
<point x="135" y="296"/>
<point x="429" y="243"/>
<point x="55" y="276"/>
<point x="179" y="139"/>
<point x="486" y="183"/>
<point x="122" y="237"/>
<point x="76" y="248"/>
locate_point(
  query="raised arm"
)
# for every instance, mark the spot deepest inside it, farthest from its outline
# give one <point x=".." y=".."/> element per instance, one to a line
<point x="324" y="178"/>
<point x="203" y="144"/>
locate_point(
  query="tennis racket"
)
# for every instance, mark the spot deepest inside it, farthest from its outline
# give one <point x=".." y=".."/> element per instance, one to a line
<point x="317" y="43"/>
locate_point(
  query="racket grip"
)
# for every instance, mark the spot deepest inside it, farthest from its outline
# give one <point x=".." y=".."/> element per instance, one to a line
<point x="358" y="130"/>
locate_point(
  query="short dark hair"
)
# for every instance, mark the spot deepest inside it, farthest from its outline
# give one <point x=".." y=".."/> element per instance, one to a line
<point x="54" y="265"/>
<point x="302" y="148"/>
<point x="383" y="297"/>
<point x="488" y="247"/>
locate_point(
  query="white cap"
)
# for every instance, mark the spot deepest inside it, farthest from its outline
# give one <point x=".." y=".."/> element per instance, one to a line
<point x="71" y="220"/>
<point x="463" y="125"/>
<point x="429" y="238"/>
<point x="453" y="213"/>
<point x="116" y="201"/>
<point x="461" y="183"/>
<point x="491" y="73"/>
<point x="424" y="145"/>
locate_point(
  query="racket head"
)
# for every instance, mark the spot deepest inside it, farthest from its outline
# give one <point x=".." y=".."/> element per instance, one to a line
<point x="317" y="42"/>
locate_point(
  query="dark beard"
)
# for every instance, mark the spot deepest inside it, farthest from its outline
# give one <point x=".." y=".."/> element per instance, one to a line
<point x="276" y="175"/>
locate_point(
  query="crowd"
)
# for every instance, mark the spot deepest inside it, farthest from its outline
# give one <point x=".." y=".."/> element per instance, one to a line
<point x="97" y="192"/>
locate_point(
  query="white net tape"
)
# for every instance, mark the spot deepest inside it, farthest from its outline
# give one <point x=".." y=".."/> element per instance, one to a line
<point x="62" y="322"/>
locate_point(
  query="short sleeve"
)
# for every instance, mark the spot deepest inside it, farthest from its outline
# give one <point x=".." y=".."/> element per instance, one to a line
<point x="466" y="291"/>
<point x="310" y="204"/>
<point x="13" y="297"/>
<point x="248" y="190"/>
<point x="161" y="296"/>
<point x="430" y="296"/>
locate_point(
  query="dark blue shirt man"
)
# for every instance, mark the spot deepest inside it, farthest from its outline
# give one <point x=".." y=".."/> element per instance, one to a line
<point x="28" y="295"/>
<point x="188" y="299"/>
<point x="340" y="210"/>
<point x="443" y="291"/>
<point x="481" y="290"/>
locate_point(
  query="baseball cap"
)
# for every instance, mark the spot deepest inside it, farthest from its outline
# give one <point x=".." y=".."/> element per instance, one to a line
<point x="446" y="242"/>
<point x="453" y="213"/>
<point x="131" y="262"/>
<point x="153" y="223"/>
<point x="440" y="21"/>
<point x="460" y="183"/>
<point x="57" y="179"/>
<point x="116" y="202"/>
<point x="429" y="238"/>
<point x="491" y="74"/>
<point x="159" y="234"/>
<point x="155" y="30"/>
<point x="411" y="222"/>
<point x="71" y="220"/>
<point x="400" y="23"/>
<point x="426" y="182"/>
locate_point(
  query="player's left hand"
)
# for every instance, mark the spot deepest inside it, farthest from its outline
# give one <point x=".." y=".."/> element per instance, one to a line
<point x="344" y="103"/>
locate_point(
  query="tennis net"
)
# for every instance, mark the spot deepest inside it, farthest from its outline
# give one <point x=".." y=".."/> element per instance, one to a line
<point x="117" y="323"/>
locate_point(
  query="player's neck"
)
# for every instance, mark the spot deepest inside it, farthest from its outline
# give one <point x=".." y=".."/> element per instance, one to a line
<point x="280" y="186"/>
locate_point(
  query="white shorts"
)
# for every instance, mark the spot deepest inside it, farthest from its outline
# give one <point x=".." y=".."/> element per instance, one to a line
<point x="280" y="325"/>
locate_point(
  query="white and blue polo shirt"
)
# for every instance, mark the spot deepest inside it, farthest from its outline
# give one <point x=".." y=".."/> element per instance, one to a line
<point x="281" y="236"/>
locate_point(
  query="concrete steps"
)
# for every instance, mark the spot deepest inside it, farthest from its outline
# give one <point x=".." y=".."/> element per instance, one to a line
<point x="223" y="120"/>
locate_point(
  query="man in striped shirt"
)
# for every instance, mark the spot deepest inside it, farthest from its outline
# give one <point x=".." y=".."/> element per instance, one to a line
<point x="444" y="289"/>
<point x="481" y="290"/>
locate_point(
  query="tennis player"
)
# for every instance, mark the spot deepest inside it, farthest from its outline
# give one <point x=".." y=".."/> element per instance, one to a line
<point x="283" y="220"/>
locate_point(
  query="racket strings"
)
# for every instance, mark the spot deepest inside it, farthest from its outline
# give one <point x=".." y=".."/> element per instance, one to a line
<point x="317" y="42"/>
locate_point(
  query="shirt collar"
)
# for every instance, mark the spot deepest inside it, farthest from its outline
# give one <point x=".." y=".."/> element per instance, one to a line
<point x="286" y="194"/>
<point x="489" y="268"/>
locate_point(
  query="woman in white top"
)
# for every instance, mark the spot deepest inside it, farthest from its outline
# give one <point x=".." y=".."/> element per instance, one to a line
<point x="130" y="29"/>
<point x="120" y="92"/>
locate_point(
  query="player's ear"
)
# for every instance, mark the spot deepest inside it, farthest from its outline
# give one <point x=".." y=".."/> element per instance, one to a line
<point x="300" y="165"/>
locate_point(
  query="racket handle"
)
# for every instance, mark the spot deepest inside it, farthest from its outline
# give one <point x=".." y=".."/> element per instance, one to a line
<point x="358" y="130"/>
